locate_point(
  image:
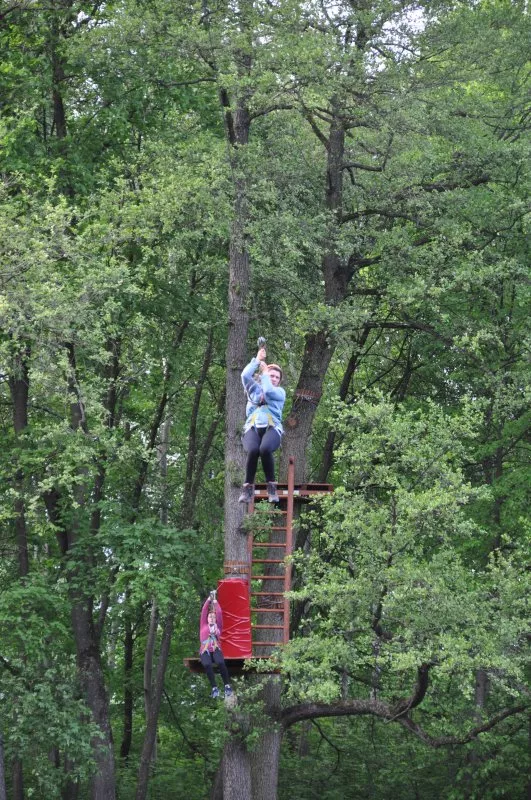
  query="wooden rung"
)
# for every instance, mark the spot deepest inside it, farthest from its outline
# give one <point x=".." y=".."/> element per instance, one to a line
<point x="267" y="610"/>
<point x="267" y="561"/>
<point x="278" y="528"/>
<point x="267" y="644"/>
<point x="278" y="511"/>
<point x="267" y="594"/>
<point x="267" y="577"/>
<point x="269" y="627"/>
<point x="269" y="544"/>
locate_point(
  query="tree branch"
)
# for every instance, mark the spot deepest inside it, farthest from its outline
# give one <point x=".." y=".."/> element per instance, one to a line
<point x="378" y="212"/>
<point x="315" y="128"/>
<point x="276" y="107"/>
<point x="377" y="708"/>
<point x="446" y="741"/>
<point x="358" y="165"/>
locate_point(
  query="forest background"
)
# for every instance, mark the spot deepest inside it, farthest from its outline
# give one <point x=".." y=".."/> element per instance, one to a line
<point x="350" y="180"/>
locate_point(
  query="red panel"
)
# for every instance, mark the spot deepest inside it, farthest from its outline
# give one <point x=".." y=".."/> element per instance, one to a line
<point x="233" y="597"/>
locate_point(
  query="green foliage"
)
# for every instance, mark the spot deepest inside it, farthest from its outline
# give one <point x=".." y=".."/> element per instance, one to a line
<point x="39" y="676"/>
<point x="386" y="587"/>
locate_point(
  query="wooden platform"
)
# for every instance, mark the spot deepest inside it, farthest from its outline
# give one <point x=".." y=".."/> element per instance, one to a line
<point x="299" y="490"/>
<point x="236" y="666"/>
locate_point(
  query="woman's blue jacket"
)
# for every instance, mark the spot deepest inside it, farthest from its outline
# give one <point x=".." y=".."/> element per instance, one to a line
<point x="265" y="402"/>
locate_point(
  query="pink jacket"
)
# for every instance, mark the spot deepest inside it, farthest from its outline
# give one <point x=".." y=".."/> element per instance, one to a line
<point x="209" y="635"/>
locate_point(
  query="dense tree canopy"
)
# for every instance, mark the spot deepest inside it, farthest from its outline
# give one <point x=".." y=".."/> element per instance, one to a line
<point x="351" y="180"/>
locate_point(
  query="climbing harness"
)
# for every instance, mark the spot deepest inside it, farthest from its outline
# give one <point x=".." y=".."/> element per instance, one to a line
<point x="211" y="643"/>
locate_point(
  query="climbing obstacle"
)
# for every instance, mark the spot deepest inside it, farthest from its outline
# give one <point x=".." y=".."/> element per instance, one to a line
<point x="256" y="610"/>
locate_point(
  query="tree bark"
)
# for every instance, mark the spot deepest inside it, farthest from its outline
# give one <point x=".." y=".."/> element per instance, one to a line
<point x="148" y="665"/>
<point x="328" y="453"/>
<point x="127" y="735"/>
<point x="236" y="760"/>
<point x="265" y="756"/>
<point x="18" y="779"/>
<point x="319" y="347"/>
<point x="237" y="354"/>
<point x="151" y="727"/>
<point x="191" y="460"/>
<point x="85" y="636"/>
<point x="94" y="691"/>
<point x="19" y="389"/>
<point x="70" y="790"/>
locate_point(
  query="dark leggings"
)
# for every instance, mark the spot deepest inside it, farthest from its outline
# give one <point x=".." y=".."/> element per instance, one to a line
<point x="260" y="442"/>
<point x="208" y="660"/>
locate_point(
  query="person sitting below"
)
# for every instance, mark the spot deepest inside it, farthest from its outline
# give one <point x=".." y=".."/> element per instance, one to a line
<point x="210" y="627"/>
<point x="263" y="424"/>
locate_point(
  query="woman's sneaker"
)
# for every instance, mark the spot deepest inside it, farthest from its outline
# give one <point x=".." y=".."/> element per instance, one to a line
<point x="247" y="493"/>
<point x="228" y="690"/>
<point x="272" y="496"/>
<point x="215" y="692"/>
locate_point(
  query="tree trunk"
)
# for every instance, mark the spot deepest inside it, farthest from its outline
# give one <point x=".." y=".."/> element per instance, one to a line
<point x="318" y="351"/>
<point x="95" y="694"/>
<point x="319" y="347"/>
<point x="265" y="756"/>
<point x="236" y="762"/>
<point x="328" y="452"/>
<point x="191" y="459"/>
<point x="18" y="779"/>
<point x="70" y="790"/>
<point x="151" y="727"/>
<point x="85" y="636"/>
<point x="237" y="354"/>
<point x="19" y="389"/>
<point x="127" y="736"/>
<point x="148" y="666"/>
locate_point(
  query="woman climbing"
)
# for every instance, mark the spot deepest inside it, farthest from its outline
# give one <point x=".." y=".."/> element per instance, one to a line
<point x="210" y="627"/>
<point x="263" y="424"/>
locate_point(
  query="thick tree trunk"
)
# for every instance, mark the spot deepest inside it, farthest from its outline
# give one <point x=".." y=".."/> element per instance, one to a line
<point x="265" y="756"/>
<point x="188" y="499"/>
<point x="237" y="353"/>
<point x="328" y="452"/>
<point x="127" y="735"/>
<point x="95" y="694"/>
<point x="151" y="727"/>
<point x="18" y="779"/>
<point x="318" y="351"/>
<point x="319" y="347"/>
<point x="86" y="638"/>
<point x="148" y="666"/>
<point x="236" y="763"/>
<point x="70" y="790"/>
<point x="236" y="767"/>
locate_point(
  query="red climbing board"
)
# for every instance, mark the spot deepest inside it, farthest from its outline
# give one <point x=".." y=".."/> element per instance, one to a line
<point x="233" y="597"/>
